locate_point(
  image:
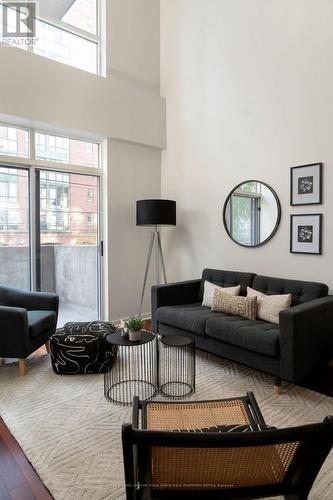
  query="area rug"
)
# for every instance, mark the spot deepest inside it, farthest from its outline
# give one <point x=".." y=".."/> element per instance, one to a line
<point x="71" y="434"/>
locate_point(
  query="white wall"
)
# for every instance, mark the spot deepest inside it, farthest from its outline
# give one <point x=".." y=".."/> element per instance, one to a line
<point x="133" y="175"/>
<point x="41" y="90"/>
<point x="249" y="94"/>
<point x="134" y="39"/>
<point x="125" y="106"/>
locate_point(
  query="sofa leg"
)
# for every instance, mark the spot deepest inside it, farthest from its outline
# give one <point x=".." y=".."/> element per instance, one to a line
<point x="277" y="386"/>
<point x="22" y="367"/>
<point x="47" y="346"/>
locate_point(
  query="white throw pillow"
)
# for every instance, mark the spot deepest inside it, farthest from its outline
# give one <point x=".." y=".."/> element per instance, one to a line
<point x="209" y="289"/>
<point x="270" y="306"/>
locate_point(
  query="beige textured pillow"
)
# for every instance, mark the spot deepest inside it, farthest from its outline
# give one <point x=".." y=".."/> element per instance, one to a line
<point x="270" y="306"/>
<point x="239" y="306"/>
<point x="209" y="289"/>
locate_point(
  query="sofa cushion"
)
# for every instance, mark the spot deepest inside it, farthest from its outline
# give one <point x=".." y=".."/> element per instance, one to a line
<point x="225" y="279"/>
<point x="209" y="290"/>
<point x="253" y="335"/>
<point x="39" y="321"/>
<point x="270" y="306"/>
<point x="301" y="291"/>
<point x="236" y="306"/>
<point x="190" y="317"/>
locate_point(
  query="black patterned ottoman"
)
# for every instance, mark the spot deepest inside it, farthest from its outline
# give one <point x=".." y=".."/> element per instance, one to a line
<point x="82" y="348"/>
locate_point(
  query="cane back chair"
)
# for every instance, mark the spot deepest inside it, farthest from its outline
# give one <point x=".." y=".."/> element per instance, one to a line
<point x="184" y="465"/>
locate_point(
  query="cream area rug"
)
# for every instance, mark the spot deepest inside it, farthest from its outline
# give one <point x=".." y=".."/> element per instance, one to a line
<point x="72" y="435"/>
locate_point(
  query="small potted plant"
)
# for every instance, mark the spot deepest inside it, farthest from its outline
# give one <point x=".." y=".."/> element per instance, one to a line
<point x="134" y="325"/>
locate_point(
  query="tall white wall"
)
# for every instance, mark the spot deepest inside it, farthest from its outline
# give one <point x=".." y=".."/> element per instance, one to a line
<point x="249" y="94"/>
<point x="125" y="107"/>
<point x="136" y="177"/>
<point x="134" y="39"/>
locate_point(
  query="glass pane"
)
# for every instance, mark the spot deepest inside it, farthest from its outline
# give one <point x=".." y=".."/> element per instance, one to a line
<point x="241" y="229"/>
<point x="65" y="47"/>
<point x="64" y="150"/>
<point x="83" y="15"/>
<point x="14" y="228"/>
<point x="249" y="187"/>
<point x="14" y="141"/>
<point x="69" y="243"/>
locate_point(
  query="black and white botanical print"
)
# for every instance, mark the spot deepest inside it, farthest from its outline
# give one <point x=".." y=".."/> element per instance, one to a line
<point x="305" y="234"/>
<point x="305" y="185"/>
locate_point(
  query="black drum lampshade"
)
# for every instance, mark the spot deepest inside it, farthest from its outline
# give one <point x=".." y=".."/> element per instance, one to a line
<point x="155" y="213"/>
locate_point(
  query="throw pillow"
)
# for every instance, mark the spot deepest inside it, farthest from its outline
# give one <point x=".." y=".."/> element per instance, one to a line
<point x="209" y="289"/>
<point x="270" y="306"/>
<point x="239" y="306"/>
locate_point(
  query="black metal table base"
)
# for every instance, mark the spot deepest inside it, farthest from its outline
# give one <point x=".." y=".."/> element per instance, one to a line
<point x="176" y="366"/>
<point x="176" y="390"/>
<point x="122" y="393"/>
<point x="134" y="372"/>
<point x="142" y="369"/>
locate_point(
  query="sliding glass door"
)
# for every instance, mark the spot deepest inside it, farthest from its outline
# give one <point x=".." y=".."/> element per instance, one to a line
<point x="67" y="242"/>
<point x="14" y="228"/>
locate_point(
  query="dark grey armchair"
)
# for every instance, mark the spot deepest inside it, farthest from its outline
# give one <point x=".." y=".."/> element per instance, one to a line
<point x="27" y="321"/>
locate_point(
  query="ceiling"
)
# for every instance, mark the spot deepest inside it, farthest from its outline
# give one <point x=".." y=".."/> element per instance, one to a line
<point x="54" y="9"/>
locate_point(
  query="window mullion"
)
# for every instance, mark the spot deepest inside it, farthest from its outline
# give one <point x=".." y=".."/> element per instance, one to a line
<point x="33" y="221"/>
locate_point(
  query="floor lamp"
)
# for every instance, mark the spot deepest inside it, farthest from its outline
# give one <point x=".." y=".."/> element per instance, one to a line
<point x="155" y="213"/>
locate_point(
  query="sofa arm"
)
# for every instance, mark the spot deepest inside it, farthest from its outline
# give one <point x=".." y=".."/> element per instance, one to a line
<point x="14" y="331"/>
<point x="181" y="292"/>
<point x="306" y="337"/>
<point x="29" y="300"/>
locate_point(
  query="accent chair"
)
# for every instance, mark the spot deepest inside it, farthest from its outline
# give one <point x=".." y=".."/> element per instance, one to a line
<point x="27" y="321"/>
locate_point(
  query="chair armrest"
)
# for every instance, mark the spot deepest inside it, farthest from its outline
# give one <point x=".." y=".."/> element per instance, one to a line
<point x="306" y="337"/>
<point x="29" y="300"/>
<point x="181" y="292"/>
<point x="14" y="330"/>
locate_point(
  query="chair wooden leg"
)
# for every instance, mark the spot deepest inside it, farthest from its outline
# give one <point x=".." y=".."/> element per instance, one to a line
<point x="22" y="367"/>
<point x="277" y="386"/>
<point x="47" y="345"/>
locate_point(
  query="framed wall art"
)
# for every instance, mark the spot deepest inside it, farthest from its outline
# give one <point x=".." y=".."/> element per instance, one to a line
<point x="306" y="184"/>
<point x="306" y="233"/>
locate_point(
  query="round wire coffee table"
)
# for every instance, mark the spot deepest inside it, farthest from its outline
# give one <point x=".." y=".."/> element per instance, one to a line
<point x="176" y="366"/>
<point x="134" y="372"/>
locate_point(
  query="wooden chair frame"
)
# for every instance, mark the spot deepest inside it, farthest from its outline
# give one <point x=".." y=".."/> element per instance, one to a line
<point x="315" y="442"/>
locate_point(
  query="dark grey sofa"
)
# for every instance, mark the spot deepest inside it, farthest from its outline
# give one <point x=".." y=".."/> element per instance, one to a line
<point x="289" y="351"/>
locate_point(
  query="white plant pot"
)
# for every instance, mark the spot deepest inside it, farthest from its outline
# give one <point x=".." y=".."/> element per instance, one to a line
<point x="134" y="336"/>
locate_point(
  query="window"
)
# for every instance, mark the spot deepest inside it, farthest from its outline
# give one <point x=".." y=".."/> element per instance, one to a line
<point x="91" y="219"/>
<point x="14" y="141"/>
<point x="66" y="31"/>
<point x="54" y="201"/>
<point x="65" y="150"/>
<point x="83" y="15"/>
<point x="245" y="214"/>
<point x="66" y="210"/>
<point x="90" y="195"/>
<point x="9" y="220"/>
<point x="8" y="184"/>
<point x="66" y="47"/>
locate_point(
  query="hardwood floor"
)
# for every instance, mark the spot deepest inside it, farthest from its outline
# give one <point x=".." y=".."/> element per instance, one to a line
<point x="18" y="479"/>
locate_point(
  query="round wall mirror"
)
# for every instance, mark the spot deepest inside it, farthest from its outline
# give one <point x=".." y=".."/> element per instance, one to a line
<point x="251" y="213"/>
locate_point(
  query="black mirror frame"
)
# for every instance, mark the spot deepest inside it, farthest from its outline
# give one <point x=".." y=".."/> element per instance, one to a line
<point x="278" y="219"/>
